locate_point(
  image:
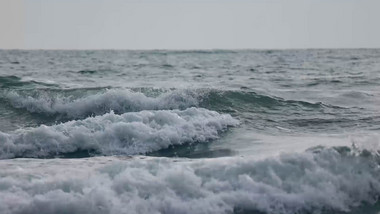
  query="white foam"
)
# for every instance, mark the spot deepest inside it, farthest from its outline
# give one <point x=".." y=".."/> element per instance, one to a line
<point x="291" y="183"/>
<point x="130" y="133"/>
<point x="120" y="101"/>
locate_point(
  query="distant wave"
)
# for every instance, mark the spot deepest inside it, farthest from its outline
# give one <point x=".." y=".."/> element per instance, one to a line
<point x="56" y="102"/>
<point x="117" y="100"/>
<point x="17" y="82"/>
<point x="128" y="134"/>
<point x="250" y="99"/>
<point x="324" y="181"/>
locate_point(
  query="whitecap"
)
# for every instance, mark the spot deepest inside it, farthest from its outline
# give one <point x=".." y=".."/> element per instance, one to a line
<point x="129" y="133"/>
<point x="118" y="100"/>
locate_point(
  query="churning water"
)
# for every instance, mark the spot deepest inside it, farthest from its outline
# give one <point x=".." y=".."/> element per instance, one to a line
<point x="221" y="131"/>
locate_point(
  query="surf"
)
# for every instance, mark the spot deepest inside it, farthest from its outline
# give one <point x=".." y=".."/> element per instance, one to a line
<point x="109" y="134"/>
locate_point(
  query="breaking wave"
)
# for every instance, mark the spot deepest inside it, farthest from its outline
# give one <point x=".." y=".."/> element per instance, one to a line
<point x="120" y="101"/>
<point x="327" y="180"/>
<point x="125" y="100"/>
<point x="128" y="134"/>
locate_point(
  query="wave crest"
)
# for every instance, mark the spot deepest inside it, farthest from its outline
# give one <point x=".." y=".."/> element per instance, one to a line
<point x="124" y="100"/>
<point x="129" y="134"/>
<point x="120" y="101"/>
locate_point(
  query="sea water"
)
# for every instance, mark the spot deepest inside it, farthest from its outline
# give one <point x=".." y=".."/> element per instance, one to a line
<point x="217" y="131"/>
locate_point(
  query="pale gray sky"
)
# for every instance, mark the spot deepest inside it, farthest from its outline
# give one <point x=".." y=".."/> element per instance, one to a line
<point x="189" y="24"/>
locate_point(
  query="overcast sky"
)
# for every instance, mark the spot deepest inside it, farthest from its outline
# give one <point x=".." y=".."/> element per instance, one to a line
<point x="189" y="24"/>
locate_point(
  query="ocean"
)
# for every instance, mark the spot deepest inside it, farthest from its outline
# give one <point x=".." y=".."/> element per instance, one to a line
<point x="200" y="131"/>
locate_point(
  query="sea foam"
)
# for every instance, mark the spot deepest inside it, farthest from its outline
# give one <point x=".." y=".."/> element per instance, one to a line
<point x="309" y="182"/>
<point x="129" y="133"/>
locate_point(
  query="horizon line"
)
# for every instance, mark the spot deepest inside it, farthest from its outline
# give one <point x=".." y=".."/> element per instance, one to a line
<point x="187" y="49"/>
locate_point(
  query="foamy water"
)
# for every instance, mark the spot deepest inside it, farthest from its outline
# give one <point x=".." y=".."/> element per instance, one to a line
<point x="189" y="131"/>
